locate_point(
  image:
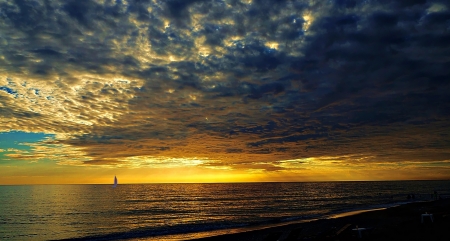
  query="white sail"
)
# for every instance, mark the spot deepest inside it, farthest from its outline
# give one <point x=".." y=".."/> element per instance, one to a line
<point x="115" y="181"/>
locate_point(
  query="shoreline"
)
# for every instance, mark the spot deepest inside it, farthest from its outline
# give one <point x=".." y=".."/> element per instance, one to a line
<point x="402" y="222"/>
<point x="262" y="228"/>
<point x="315" y="228"/>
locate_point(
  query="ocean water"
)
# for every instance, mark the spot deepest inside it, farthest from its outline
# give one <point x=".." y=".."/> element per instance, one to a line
<point x="183" y="211"/>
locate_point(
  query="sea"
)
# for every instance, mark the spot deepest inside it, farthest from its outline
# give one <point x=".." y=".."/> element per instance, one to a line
<point x="187" y="211"/>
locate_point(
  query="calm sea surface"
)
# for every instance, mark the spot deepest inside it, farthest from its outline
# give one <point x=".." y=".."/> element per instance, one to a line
<point x="180" y="211"/>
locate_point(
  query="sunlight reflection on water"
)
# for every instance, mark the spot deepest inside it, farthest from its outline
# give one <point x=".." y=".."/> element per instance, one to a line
<point x="42" y="212"/>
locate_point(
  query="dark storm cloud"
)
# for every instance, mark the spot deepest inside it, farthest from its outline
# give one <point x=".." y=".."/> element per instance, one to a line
<point x="249" y="80"/>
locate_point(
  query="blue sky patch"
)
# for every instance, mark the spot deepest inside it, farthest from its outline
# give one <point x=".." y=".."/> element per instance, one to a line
<point x="15" y="139"/>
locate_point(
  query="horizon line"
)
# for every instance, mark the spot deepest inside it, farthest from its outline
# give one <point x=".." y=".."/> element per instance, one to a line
<point x="134" y="183"/>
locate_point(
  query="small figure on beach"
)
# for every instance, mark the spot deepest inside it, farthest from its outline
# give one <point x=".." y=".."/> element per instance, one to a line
<point x="435" y="195"/>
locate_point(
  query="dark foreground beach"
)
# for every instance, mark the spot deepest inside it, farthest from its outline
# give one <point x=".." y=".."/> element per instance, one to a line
<point x="397" y="223"/>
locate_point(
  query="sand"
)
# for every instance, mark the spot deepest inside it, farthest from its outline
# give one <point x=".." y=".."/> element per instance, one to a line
<point x="396" y="223"/>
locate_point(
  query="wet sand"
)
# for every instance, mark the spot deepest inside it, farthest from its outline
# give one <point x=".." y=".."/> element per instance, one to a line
<point x="396" y="223"/>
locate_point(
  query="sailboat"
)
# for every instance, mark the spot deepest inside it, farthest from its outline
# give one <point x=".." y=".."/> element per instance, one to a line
<point x="115" y="181"/>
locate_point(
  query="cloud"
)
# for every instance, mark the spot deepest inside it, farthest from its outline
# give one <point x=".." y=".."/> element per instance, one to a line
<point x="243" y="83"/>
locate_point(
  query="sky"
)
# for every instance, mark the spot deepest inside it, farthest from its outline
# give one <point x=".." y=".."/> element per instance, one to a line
<point x="224" y="90"/>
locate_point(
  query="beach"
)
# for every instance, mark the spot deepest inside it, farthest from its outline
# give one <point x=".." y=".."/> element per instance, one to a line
<point x="402" y="222"/>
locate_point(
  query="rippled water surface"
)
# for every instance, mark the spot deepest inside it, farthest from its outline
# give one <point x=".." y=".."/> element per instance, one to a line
<point x="44" y="212"/>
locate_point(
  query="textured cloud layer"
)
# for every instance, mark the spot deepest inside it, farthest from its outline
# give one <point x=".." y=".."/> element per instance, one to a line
<point x="235" y="84"/>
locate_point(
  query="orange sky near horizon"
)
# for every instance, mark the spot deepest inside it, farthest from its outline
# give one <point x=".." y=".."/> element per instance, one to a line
<point x="37" y="173"/>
